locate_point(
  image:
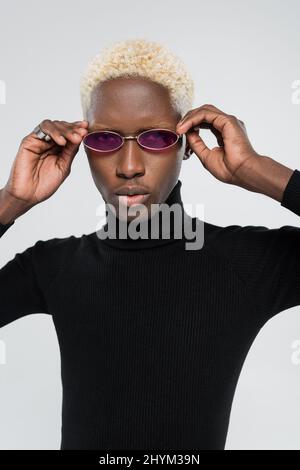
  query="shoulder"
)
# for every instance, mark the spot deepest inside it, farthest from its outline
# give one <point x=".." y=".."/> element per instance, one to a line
<point x="55" y="247"/>
<point x="53" y="254"/>
<point x="254" y="249"/>
<point x="239" y="237"/>
<point x="245" y="245"/>
<point x="48" y="259"/>
<point x="59" y="245"/>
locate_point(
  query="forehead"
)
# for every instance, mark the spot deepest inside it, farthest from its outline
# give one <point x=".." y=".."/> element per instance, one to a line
<point x="131" y="99"/>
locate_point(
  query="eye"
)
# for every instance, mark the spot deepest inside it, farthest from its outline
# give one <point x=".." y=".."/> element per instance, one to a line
<point x="157" y="138"/>
<point x="103" y="141"/>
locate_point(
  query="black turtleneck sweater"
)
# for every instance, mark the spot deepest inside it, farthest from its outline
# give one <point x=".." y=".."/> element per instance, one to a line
<point x="153" y="336"/>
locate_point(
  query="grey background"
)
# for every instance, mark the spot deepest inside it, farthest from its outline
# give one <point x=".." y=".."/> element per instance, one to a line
<point x="244" y="57"/>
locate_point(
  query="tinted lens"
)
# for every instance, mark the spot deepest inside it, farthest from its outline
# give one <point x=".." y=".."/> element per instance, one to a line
<point x="103" y="141"/>
<point x="157" y="139"/>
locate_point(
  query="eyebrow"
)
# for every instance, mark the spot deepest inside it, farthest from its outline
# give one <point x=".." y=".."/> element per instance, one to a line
<point x="102" y="127"/>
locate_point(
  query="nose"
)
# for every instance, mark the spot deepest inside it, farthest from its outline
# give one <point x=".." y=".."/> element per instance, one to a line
<point x="131" y="161"/>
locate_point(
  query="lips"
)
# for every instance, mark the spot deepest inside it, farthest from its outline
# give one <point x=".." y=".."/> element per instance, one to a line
<point x="132" y="190"/>
<point x="130" y="200"/>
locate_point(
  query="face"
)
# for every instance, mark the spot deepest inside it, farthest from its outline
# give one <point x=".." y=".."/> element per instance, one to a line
<point x="128" y="105"/>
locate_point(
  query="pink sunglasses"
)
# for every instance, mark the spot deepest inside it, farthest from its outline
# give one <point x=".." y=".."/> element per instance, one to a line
<point x="110" y="141"/>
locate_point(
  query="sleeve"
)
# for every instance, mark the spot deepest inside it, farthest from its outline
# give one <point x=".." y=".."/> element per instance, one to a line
<point x="3" y="228"/>
<point x="266" y="259"/>
<point x="25" y="279"/>
<point x="291" y="195"/>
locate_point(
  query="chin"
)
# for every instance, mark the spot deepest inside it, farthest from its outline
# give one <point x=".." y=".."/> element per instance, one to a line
<point x="135" y="212"/>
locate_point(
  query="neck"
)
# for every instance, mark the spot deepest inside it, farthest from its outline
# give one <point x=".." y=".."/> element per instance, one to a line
<point x="148" y="236"/>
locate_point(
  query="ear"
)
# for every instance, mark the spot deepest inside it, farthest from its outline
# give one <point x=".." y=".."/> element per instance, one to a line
<point x="188" y="151"/>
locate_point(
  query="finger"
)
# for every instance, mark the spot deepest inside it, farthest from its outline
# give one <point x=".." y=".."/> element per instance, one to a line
<point x="200" y="117"/>
<point x="33" y="143"/>
<point x="54" y="150"/>
<point x="202" y="125"/>
<point x="212" y="107"/>
<point x="61" y="132"/>
<point x="200" y="108"/>
<point x="198" y="146"/>
<point x="64" y="153"/>
<point x="216" y="119"/>
<point x="216" y="133"/>
<point x="74" y="134"/>
<point x="51" y="128"/>
<point x="242" y="124"/>
<point x="66" y="156"/>
<point x="43" y="148"/>
<point x="70" y="131"/>
<point x="187" y="114"/>
<point x="82" y="124"/>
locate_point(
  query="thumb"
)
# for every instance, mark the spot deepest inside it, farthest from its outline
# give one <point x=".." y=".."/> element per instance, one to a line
<point x="67" y="155"/>
<point x="198" y="146"/>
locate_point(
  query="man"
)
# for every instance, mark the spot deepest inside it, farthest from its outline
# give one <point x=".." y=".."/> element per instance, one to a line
<point x="152" y="336"/>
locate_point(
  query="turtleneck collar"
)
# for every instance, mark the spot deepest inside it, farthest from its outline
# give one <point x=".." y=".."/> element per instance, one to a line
<point x="169" y="236"/>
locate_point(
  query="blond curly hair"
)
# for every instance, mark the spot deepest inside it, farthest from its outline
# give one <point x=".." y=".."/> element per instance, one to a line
<point x="142" y="58"/>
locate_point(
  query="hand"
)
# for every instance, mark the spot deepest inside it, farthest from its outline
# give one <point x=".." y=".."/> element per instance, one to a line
<point x="234" y="150"/>
<point x="40" y="167"/>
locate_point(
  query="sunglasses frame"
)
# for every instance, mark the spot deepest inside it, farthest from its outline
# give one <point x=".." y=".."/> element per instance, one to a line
<point x="132" y="137"/>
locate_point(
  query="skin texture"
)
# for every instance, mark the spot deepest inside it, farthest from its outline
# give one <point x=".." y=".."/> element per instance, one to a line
<point x="128" y="105"/>
<point x="234" y="161"/>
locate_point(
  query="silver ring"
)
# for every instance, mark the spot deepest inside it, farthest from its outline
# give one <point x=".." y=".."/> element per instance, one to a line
<point x="41" y="134"/>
